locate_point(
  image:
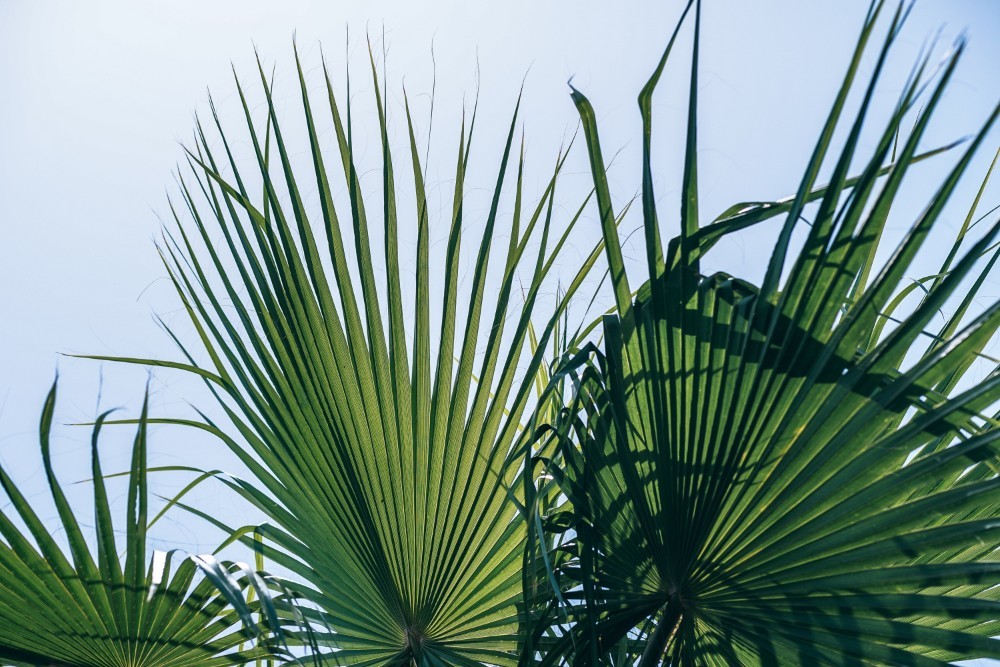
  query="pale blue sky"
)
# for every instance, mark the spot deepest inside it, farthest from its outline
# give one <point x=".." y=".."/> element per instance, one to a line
<point x="97" y="95"/>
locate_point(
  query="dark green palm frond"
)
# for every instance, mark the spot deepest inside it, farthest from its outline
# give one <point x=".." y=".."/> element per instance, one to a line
<point x="780" y="474"/>
<point x="82" y="611"/>
<point x="379" y="462"/>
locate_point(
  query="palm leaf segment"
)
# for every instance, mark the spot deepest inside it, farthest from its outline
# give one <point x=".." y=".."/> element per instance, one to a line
<point x="89" y="612"/>
<point x="765" y="475"/>
<point x="380" y="467"/>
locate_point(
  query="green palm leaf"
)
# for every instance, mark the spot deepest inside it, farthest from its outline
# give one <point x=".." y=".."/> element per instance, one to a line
<point x="82" y="611"/>
<point x="771" y="475"/>
<point x="379" y="464"/>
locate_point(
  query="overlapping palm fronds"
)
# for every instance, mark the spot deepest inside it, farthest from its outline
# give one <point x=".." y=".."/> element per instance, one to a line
<point x="779" y="474"/>
<point x="82" y="611"/>
<point x="379" y="464"/>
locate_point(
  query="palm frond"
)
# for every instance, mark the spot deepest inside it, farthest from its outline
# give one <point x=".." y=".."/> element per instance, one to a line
<point x="379" y="463"/>
<point x="771" y="474"/>
<point x="78" y="610"/>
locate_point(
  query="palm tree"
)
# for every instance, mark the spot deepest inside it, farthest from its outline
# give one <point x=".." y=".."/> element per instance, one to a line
<point x="789" y="473"/>
<point x="79" y="611"/>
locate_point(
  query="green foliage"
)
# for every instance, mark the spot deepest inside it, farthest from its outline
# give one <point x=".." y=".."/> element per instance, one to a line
<point x="796" y="472"/>
<point x="380" y="467"/>
<point x="771" y="475"/>
<point x="89" y="612"/>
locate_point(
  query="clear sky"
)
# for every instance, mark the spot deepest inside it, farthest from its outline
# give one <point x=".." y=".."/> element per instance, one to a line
<point x="97" y="95"/>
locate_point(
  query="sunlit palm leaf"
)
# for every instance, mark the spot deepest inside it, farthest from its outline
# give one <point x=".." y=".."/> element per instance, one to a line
<point x="79" y="611"/>
<point x="763" y="475"/>
<point x="379" y="465"/>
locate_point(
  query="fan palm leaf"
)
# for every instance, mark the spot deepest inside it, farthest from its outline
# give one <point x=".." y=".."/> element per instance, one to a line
<point x="772" y="474"/>
<point x="379" y="463"/>
<point x="82" y="611"/>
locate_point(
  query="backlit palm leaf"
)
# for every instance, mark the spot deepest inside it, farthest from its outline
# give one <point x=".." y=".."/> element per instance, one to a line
<point x="379" y="464"/>
<point x="86" y="612"/>
<point x="765" y="475"/>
